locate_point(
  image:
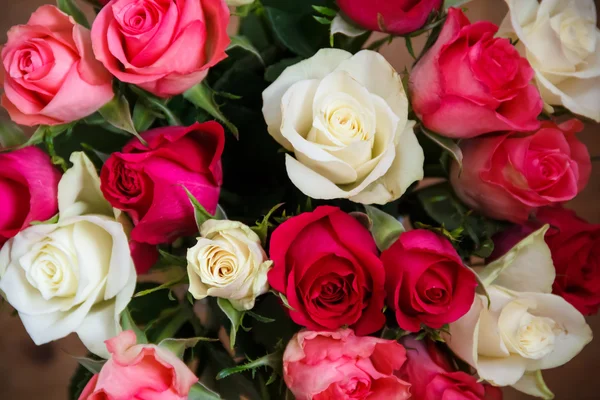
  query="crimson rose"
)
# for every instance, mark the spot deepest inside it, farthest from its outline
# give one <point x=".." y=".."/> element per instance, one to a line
<point x="326" y="263"/>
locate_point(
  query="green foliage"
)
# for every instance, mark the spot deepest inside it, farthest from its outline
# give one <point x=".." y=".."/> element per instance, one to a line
<point x="262" y="227"/>
<point x="69" y="7"/>
<point x="200" y="213"/>
<point x="385" y="228"/>
<point x="117" y="113"/>
<point x="244" y="43"/>
<point x="11" y="135"/>
<point x="202" y="96"/>
<point x="127" y="323"/>
<point x="235" y="318"/>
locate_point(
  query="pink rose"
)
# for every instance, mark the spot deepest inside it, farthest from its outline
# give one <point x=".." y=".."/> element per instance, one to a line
<point x="470" y="82"/>
<point x="163" y="46"/>
<point x="509" y="175"/>
<point x="28" y="190"/>
<point x="433" y="376"/>
<point x="393" y="16"/>
<point x="49" y="71"/>
<point x="426" y="282"/>
<point x="139" y="371"/>
<point x="148" y="182"/>
<point x="340" y="365"/>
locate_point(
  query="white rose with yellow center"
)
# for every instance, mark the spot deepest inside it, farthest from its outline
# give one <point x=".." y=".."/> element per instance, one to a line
<point x="345" y="120"/>
<point x="229" y="262"/>
<point x="562" y="43"/>
<point x="76" y="275"/>
<point x="523" y="328"/>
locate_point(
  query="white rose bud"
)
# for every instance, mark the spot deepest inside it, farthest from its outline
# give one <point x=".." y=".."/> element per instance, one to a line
<point x="562" y="43"/>
<point x="523" y="328"/>
<point x="228" y="262"/>
<point x="345" y="119"/>
<point x="76" y="275"/>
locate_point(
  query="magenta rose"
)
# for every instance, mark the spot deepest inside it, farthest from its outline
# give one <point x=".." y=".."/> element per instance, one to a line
<point x="470" y="82"/>
<point x="149" y="182"/>
<point x="163" y="46"/>
<point x="28" y="190"/>
<point x="432" y="375"/>
<point x="49" y="72"/>
<point x="326" y="263"/>
<point x="139" y="371"/>
<point x="426" y="281"/>
<point x="392" y="16"/>
<point x="507" y="176"/>
<point x="340" y="365"/>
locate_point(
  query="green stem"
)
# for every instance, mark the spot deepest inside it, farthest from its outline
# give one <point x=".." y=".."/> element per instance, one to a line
<point x="179" y="319"/>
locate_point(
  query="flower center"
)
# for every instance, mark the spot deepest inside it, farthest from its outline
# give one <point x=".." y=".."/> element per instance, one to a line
<point x="218" y="265"/>
<point x="537" y="336"/>
<point x="577" y="33"/>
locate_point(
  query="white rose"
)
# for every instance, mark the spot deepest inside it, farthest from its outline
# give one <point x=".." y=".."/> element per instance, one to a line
<point x="345" y="119"/>
<point x="76" y="275"/>
<point x="524" y="328"/>
<point x="228" y="262"/>
<point x="562" y="43"/>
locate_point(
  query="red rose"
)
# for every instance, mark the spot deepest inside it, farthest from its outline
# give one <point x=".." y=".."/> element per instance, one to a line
<point x="28" y="190"/>
<point x="507" y="176"/>
<point x="575" y="248"/>
<point x="433" y="377"/>
<point x="148" y="182"/>
<point x="470" y="82"/>
<point x="393" y="16"/>
<point x="426" y="281"/>
<point x="326" y="263"/>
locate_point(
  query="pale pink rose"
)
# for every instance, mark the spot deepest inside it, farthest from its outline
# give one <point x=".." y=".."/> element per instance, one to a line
<point x="508" y="176"/>
<point x="139" y="371"/>
<point x="49" y="72"/>
<point x="340" y="365"/>
<point x="163" y="46"/>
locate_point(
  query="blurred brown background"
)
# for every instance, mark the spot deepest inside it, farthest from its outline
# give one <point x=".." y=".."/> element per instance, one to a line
<point x="29" y="372"/>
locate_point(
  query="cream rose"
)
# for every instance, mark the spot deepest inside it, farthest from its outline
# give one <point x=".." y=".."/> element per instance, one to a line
<point x="562" y="43"/>
<point x="345" y="119"/>
<point x="523" y="329"/>
<point x="228" y="262"/>
<point x="76" y="275"/>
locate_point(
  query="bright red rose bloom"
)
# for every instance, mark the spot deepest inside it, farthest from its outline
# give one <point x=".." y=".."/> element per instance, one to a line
<point x="470" y="83"/>
<point x="148" y="182"/>
<point x="393" y="16"/>
<point x="575" y="247"/>
<point x="426" y="281"/>
<point x="163" y="46"/>
<point x="433" y="377"/>
<point x="340" y="365"/>
<point x="509" y="175"/>
<point x="28" y="190"/>
<point x="326" y="263"/>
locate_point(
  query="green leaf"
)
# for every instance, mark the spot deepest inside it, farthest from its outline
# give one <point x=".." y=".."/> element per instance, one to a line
<point x="409" y="46"/>
<point x="345" y="27"/>
<point x="201" y="392"/>
<point x="325" y="11"/>
<point x="200" y="212"/>
<point x="234" y="316"/>
<point x="273" y="360"/>
<point x="260" y="318"/>
<point x="454" y="3"/>
<point x="143" y="117"/>
<point x="385" y="228"/>
<point x="244" y="43"/>
<point x="203" y="97"/>
<point x="94" y="366"/>
<point x="172" y="325"/>
<point x="532" y="383"/>
<point x="178" y="346"/>
<point x="485" y="249"/>
<point x="127" y="323"/>
<point x="322" y="20"/>
<point x="220" y="213"/>
<point x="167" y="285"/>
<point x="300" y="33"/>
<point x="170" y="259"/>
<point x="283" y="299"/>
<point x="273" y="71"/>
<point x="69" y="7"/>
<point x="116" y="112"/>
<point x="49" y="221"/>
<point x="447" y="144"/>
<point x="262" y="228"/>
<point x="45" y="131"/>
<point x="11" y="135"/>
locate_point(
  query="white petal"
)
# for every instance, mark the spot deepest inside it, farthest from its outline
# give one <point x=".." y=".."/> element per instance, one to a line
<point x="101" y="324"/>
<point x="532" y="383"/>
<point x="527" y="267"/>
<point x="490" y="341"/>
<point x="463" y="335"/>
<point x="501" y="371"/>
<point x="310" y="182"/>
<point x="581" y="96"/>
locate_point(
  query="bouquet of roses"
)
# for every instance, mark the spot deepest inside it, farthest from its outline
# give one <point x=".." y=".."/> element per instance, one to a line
<point x="242" y="208"/>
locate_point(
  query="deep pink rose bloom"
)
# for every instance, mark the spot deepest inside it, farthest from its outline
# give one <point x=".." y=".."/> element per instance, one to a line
<point x="426" y="281"/>
<point x="139" y="371"/>
<point x="340" y="365"/>
<point x="326" y="263"/>
<point x="507" y="176"/>
<point x="148" y="182"/>
<point x="393" y="16"/>
<point x="432" y="375"/>
<point x="575" y="247"/>
<point x="28" y="190"/>
<point x="163" y="46"/>
<point x="470" y="82"/>
<point x="49" y="72"/>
